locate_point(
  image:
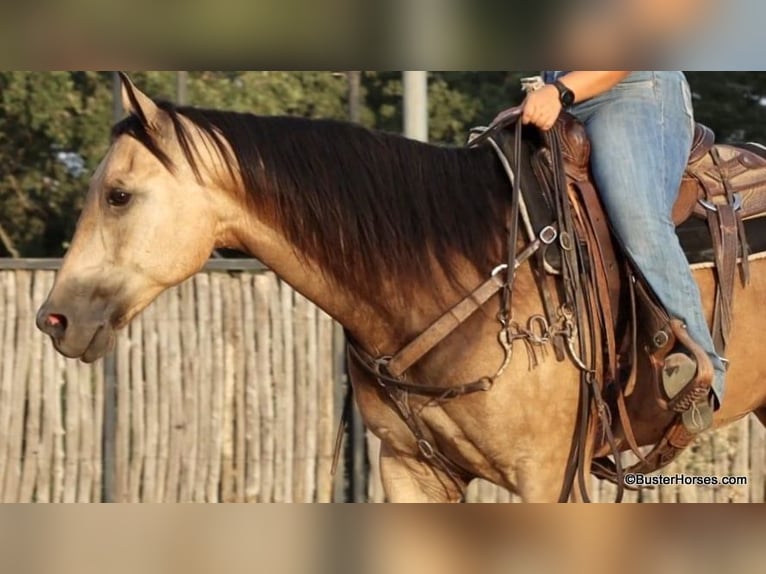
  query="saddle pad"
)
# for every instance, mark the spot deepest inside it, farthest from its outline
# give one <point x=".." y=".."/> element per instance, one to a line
<point x="694" y="236"/>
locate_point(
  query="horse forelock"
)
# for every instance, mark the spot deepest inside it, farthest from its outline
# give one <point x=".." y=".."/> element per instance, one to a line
<point x="366" y="206"/>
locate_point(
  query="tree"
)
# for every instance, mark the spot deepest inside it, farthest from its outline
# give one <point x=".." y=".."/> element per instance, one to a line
<point x="51" y="124"/>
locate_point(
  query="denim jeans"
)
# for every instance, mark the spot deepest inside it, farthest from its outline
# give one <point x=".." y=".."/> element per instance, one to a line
<point x="641" y="132"/>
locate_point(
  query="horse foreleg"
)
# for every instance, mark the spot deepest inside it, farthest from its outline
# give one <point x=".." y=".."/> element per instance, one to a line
<point x="407" y="479"/>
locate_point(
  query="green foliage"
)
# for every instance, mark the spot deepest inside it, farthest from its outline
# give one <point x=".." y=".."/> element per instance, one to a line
<point x="40" y="116"/>
<point x="731" y="103"/>
<point x="45" y="114"/>
<point x="457" y="101"/>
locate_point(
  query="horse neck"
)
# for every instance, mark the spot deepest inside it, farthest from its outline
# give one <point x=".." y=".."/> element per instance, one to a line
<point x="382" y="322"/>
<point x="377" y="314"/>
<point x="367" y="320"/>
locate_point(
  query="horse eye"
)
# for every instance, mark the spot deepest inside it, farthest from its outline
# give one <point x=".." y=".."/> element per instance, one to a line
<point x="117" y="197"/>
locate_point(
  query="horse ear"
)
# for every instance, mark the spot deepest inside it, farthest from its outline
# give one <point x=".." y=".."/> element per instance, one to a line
<point x="135" y="102"/>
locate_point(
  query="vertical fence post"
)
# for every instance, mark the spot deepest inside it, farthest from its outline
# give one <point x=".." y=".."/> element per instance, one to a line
<point x="357" y="439"/>
<point x="340" y="486"/>
<point x="109" y="435"/>
<point x="117" y="110"/>
<point x="359" y="472"/>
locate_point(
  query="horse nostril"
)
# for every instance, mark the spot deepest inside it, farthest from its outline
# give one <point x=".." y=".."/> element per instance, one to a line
<point x="55" y="324"/>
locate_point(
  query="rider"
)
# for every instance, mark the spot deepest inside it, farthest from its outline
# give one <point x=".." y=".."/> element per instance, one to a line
<point x="641" y="125"/>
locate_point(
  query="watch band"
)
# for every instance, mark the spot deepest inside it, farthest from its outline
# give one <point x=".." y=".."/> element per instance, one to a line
<point x="566" y="95"/>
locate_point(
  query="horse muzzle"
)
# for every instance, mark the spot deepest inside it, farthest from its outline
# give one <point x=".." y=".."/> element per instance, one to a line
<point x="73" y="337"/>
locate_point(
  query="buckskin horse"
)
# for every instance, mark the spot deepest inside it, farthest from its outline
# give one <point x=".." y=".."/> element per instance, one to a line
<point x="406" y="245"/>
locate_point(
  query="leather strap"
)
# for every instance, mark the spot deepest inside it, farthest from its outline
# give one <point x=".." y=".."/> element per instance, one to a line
<point x="443" y="326"/>
<point x="729" y="241"/>
<point x="626" y="425"/>
<point x="630" y="384"/>
<point x="726" y="275"/>
<point x="604" y="243"/>
<point x="673" y="443"/>
<point x="724" y="172"/>
<point x="377" y="369"/>
<point x="502" y="120"/>
<point x="605" y="271"/>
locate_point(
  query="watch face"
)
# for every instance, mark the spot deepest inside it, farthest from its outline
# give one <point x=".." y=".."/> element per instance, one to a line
<point x="566" y="96"/>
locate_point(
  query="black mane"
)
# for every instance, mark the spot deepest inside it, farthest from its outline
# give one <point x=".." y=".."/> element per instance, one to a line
<point x="366" y="205"/>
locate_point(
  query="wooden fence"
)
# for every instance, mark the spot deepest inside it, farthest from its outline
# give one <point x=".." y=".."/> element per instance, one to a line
<point x="224" y="389"/>
<point x="227" y="389"/>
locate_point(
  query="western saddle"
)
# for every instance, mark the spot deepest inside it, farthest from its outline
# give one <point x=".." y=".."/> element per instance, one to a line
<point x="723" y="185"/>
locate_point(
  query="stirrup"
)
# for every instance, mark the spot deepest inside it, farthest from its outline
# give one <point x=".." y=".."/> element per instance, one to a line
<point x="688" y="393"/>
<point x="698" y="417"/>
<point x="679" y="375"/>
<point x="696" y="389"/>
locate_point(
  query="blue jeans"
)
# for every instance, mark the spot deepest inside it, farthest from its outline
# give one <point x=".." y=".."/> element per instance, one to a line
<point x="641" y="132"/>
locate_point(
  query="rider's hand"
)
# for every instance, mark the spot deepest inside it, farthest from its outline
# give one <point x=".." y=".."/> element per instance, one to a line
<point x="542" y="107"/>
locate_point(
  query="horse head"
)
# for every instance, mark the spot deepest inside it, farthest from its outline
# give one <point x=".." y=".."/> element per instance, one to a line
<point x="148" y="223"/>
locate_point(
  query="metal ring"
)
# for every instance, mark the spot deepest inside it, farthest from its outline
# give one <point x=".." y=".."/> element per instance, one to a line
<point x="382" y="363"/>
<point x="660" y="339"/>
<point x="710" y="206"/>
<point x="548" y="235"/>
<point x="426" y="449"/>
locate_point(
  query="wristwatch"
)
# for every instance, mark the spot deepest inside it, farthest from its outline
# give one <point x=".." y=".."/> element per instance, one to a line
<point x="566" y="96"/>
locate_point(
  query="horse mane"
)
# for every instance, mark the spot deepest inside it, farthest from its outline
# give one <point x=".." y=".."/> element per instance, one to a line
<point x="367" y="206"/>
